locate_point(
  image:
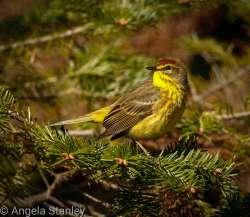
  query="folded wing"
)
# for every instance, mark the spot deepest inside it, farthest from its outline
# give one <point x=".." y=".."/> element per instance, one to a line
<point x="131" y="109"/>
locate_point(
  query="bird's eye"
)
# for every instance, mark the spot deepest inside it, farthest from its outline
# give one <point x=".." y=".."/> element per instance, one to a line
<point x="168" y="68"/>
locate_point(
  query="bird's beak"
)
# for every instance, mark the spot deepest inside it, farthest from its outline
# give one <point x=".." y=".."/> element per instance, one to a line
<point x="150" y="67"/>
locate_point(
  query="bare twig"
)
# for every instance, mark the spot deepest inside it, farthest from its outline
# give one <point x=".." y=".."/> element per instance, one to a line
<point x="220" y="86"/>
<point x="56" y="201"/>
<point x="47" y="38"/>
<point x="94" y="213"/>
<point x="238" y="115"/>
<point x="194" y="93"/>
<point x="82" y="133"/>
<point x="48" y="194"/>
<point x="110" y="185"/>
<point x="96" y="200"/>
<point x="43" y="177"/>
<point x="76" y="204"/>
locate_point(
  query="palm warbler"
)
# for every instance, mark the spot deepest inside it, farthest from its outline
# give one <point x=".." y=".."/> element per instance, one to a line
<point x="148" y="111"/>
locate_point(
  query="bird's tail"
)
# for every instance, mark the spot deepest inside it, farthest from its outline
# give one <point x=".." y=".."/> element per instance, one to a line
<point x="96" y="116"/>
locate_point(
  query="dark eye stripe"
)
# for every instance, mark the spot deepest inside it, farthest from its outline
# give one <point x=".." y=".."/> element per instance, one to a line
<point x="168" y="68"/>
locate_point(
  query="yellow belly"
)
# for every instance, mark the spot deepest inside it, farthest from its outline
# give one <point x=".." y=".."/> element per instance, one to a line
<point x="157" y="124"/>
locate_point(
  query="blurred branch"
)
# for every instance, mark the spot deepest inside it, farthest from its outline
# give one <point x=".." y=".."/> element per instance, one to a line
<point x="234" y="116"/>
<point x="109" y="185"/>
<point x="209" y="92"/>
<point x="67" y="92"/>
<point x="83" y="133"/>
<point x="47" y="38"/>
<point x="96" y="200"/>
<point x="193" y="90"/>
<point x="47" y="195"/>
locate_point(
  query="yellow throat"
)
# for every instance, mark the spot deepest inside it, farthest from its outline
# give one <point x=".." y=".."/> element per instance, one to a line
<point x="168" y="85"/>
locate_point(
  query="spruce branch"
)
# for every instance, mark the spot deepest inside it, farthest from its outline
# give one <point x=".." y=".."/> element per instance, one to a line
<point x="184" y="145"/>
<point x="6" y="103"/>
<point x="188" y="172"/>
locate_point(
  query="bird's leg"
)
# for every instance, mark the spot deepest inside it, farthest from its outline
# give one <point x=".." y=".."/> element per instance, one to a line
<point x="141" y="146"/>
<point x="162" y="151"/>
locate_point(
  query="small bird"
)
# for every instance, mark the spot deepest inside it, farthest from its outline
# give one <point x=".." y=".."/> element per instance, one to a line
<point x="148" y="111"/>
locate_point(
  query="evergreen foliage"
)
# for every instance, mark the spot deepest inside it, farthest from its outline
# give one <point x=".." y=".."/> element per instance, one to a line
<point x="145" y="182"/>
<point x="85" y="53"/>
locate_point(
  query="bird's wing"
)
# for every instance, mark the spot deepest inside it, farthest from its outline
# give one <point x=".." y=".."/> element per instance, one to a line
<point x="131" y="109"/>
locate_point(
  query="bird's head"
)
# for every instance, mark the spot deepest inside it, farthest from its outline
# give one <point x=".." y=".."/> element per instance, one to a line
<point x="169" y="71"/>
